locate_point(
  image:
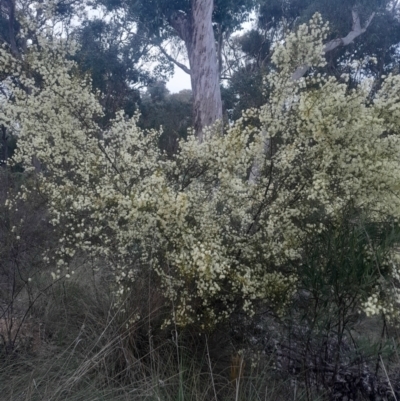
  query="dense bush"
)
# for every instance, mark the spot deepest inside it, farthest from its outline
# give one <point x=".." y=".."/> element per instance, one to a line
<point x="227" y="224"/>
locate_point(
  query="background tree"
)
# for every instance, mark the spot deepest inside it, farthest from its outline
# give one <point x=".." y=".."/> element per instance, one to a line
<point x="248" y="57"/>
<point x="172" y="112"/>
<point x="118" y="61"/>
<point x="379" y="17"/>
<point x="199" y="25"/>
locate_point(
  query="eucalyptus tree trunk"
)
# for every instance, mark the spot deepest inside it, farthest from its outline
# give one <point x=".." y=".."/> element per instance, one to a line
<point x="197" y="32"/>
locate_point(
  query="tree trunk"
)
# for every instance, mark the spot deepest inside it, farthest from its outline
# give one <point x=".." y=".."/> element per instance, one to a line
<point x="196" y="31"/>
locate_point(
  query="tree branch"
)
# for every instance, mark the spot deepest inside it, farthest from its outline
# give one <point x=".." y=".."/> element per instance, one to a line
<point x="333" y="44"/>
<point x="176" y="62"/>
<point x="353" y="34"/>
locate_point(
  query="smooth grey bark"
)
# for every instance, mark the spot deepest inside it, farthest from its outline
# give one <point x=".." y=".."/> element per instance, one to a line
<point x="197" y="32"/>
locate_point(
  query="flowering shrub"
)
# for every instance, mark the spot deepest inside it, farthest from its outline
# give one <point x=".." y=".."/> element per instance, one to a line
<point x="218" y="241"/>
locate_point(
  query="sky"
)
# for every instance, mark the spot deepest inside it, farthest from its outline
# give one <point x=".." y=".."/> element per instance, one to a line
<point x="179" y="81"/>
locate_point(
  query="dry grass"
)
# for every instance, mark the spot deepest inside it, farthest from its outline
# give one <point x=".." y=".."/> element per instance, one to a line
<point x="86" y="350"/>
